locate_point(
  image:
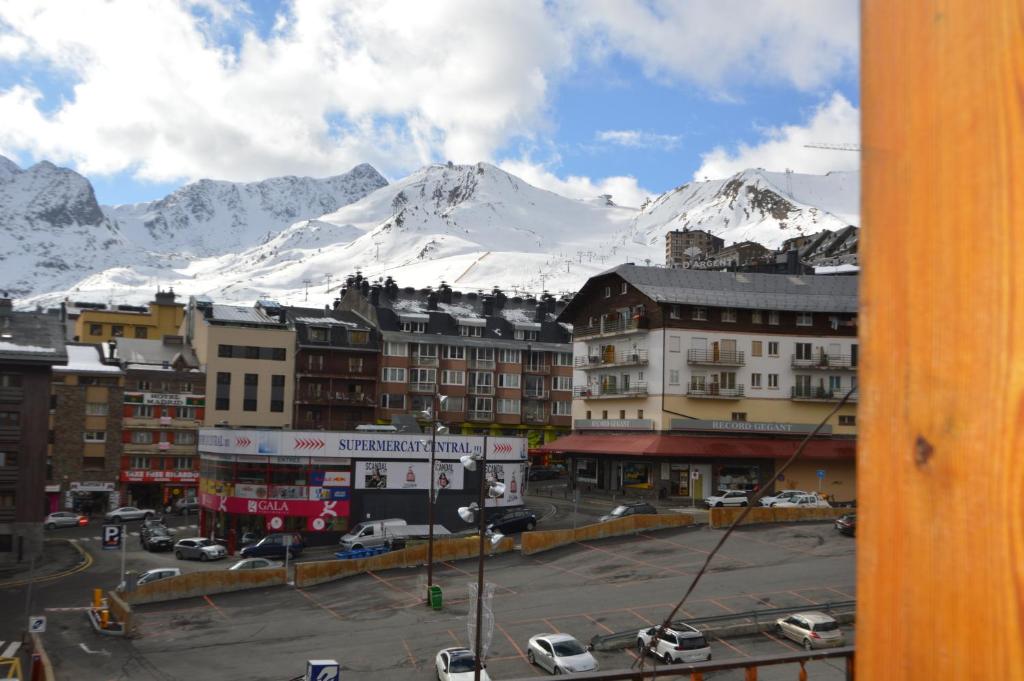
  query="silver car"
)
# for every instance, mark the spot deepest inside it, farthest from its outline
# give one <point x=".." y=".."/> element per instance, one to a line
<point x="811" y="630"/>
<point x="199" y="547"/>
<point x="64" y="519"/>
<point x="128" y="513"/>
<point x="560" y="654"/>
<point x="255" y="564"/>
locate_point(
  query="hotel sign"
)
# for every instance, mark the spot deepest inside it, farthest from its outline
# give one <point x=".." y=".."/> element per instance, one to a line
<point x="613" y="424"/>
<point x="759" y="427"/>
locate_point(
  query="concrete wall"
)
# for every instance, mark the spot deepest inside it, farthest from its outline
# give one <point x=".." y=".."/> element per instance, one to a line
<point x="308" y="574"/>
<point x="538" y="541"/>
<point x="204" y="583"/>
<point x="120" y="610"/>
<point x="724" y="517"/>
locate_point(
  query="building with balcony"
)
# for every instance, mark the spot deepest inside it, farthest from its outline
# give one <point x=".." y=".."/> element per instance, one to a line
<point x="31" y="344"/>
<point x="98" y="322"/>
<point x="712" y="374"/>
<point x="337" y="356"/>
<point x="164" y="405"/>
<point x="684" y="245"/>
<point x="247" y="357"/>
<point x="503" y="362"/>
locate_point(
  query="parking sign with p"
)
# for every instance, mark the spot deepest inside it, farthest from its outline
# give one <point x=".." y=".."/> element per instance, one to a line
<point x="111" y="537"/>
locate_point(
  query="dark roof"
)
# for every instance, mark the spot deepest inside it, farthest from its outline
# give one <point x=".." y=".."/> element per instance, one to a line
<point x="338" y="324"/>
<point x="155" y="352"/>
<point x="32" y="338"/>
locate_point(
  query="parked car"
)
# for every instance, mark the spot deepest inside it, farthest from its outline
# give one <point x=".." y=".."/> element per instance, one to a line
<point x="249" y="538"/>
<point x="370" y="533"/>
<point x="185" y="506"/>
<point x="804" y="501"/>
<point x="156" y="538"/>
<point x="678" y="643"/>
<point x="457" y="664"/>
<point x="64" y="519"/>
<point x="157" y="574"/>
<point x="542" y="473"/>
<point x="128" y="513"/>
<point x="633" y="508"/>
<point x="847" y="524"/>
<point x="514" y="520"/>
<point x="255" y="564"/>
<point x="199" y="548"/>
<point x="811" y="629"/>
<point x="154" y="521"/>
<point x="733" y="497"/>
<point x="273" y="546"/>
<point x="782" y="496"/>
<point x="560" y="654"/>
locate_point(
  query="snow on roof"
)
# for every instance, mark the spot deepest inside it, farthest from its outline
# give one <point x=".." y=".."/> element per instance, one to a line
<point x="238" y="313"/>
<point x="836" y="269"/>
<point x="407" y="305"/>
<point x="14" y="347"/>
<point x="533" y="326"/>
<point x="85" y="358"/>
<point x="458" y="311"/>
<point x="517" y="315"/>
<point x="414" y="316"/>
<point x="326" y="321"/>
<point x="472" y="321"/>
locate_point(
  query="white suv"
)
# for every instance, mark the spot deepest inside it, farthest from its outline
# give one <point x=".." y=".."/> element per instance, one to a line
<point x="678" y="643"/>
<point x="733" y="497"/>
<point x="803" y="501"/>
<point x="782" y="496"/>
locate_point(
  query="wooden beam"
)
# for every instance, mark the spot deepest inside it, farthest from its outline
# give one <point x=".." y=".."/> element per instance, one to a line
<point x="940" y="561"/>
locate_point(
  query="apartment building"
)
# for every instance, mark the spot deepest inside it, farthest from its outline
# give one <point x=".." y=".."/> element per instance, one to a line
<point x="503" y="362"/>
<point x="164" y="405"/>
<point x="684" y="245"/>
<point x="98" y="322"/>
<point x="336" y="369"/>
<point x="31" y="344"/>
<point x="689" y="381"/>
<point x="85" y="422"/>
<point x="247" y="356"/>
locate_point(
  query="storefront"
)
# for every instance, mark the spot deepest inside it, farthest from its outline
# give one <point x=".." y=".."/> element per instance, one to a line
<point x="159" y="489"/>
<point x="319" y="483"/>
<point x="92" y="497"/>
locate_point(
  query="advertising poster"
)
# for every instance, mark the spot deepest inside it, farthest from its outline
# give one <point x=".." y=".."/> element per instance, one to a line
<point x="513" y="476"/>
<point x="395" y="475"/>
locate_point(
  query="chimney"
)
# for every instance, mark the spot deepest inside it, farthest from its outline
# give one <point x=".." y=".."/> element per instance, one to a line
<point x="282" y="316"/>
<point x="446" y="293"/>
<point x="364" y="286"/>
<point x="164" y="297"/>
<point x="432" y="299"/>
<point x="488" y="302"/>
<point x="6" y="305"/>
<point x="375" y="295"/>
<point x="112" y="346"/>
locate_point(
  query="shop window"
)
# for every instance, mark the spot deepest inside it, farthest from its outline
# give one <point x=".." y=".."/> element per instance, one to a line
<point x="95" y="329"/>
<point x="636" y="475"/>
<point x="141" y="332"/>
<point x="744" y="478"/>
<point x="117" y="331"/>
<point x="586" y="470"/>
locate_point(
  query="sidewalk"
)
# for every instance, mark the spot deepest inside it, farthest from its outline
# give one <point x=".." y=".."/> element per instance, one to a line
<point x="58" y="556"/>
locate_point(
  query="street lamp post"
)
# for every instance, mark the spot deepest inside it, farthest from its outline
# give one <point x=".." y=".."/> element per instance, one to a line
<point x="435" y="426"/>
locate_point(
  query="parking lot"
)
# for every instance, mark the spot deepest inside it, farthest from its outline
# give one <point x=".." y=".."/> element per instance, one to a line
<point x="378" y="623"/>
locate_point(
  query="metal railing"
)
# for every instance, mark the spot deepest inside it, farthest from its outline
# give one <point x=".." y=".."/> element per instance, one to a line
<point x="535" y="394"/>
<point x="714" y="391"/>
<point x="480" y="390"/>
<point x="477" y="415"/>
<point x="717" y="357"/>
<point x="537" y="368"/>
<point x="423" y="361"/>
<point x="818" y="393"/>
<point x="633" y="357"/>
<point x="420" y="387"/>
<point x="481" y="363"/>
<point x="632" y="390"/>
<point x="535" y="418"/>
<point x="611" y="326"/>
<point x="824" y="361"/>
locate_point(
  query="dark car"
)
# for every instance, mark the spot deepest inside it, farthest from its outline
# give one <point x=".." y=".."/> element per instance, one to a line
<point x="847" y="524"/>
<point x="156" y="538"/>
<point x="541" y="473"/>
<point x="154" y="521"/>
<point x="634" y="508"/>
<point x="273" y="546"/>
<point x="514" y="520"/>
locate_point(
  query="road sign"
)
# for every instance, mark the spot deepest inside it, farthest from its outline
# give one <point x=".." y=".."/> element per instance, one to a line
<point x="322" y="670"/>
<point x="37" y="624"/>
<point x="821" y="474"/>
<point x="112" y="537"/>
<point x="695" y="474"/>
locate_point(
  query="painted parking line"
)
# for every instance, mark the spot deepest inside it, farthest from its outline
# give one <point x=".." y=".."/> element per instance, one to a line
<point x="519" y="651"/>
<point x="213" y="605"/>
<point x="473" y="574"/>
<point x="412" y="658"/>
<point x="842" y="593"/>
<point x="731" y="646"/>
<point x="318" y="604"/>
<point x="388" y="583"/>
<point x="781" y="642"/>
<point x="645" y="563"/>
<point x="689" y="547"/>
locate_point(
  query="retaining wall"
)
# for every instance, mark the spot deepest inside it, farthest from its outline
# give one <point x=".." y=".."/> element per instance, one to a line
<point x="204" y="583"/>
<point x="724" y="517"/>
<point x="545" y="540"/>
<point x="121" y="611"/>
<point x="44" y="659"/>
<point x="318" y="572"/>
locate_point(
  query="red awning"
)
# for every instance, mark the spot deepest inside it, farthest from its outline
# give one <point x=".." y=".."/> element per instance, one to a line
<point x="718" y="447"/>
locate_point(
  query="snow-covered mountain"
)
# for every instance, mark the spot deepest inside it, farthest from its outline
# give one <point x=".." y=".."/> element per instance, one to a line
<point x="210" y="217"/>
<point x="474" y="226"/>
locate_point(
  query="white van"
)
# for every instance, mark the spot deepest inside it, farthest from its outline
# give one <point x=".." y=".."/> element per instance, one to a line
<point x="370" y="534"/>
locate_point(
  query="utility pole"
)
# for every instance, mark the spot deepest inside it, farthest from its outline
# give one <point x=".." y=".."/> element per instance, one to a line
<point x="307" y="282"/>
<point x="329" y="277"/>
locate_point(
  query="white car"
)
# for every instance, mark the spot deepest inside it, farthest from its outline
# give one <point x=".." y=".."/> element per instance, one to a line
<point x="811" y="629"/>
<point x="199" y="547"/>
<point x="457" y="664"/>
<point x="153" y="576"/>
<point x="675" y="644"/>
<point x="804" y="501"/>
<point x="733" y="497"/>
<point x="128" y="513"/>
<point x="255" y="564"/>
<point x="64" y="519"/>
<point x="560" y="654"/>
<point x="782" y="496"/>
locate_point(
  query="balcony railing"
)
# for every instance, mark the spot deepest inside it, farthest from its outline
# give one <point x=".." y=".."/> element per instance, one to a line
<point x="537" y="368"/>
<point x="536" y="394"/>
<point x="733" y="358"/>
<point x="326" y="398"/>
<point x="610" y="391"/>
<point x="424" y="361"/>
<point x="480" y="390"/>
<point x="820" y="394"/>
<point x="477" y="415"/>
<point x="535" y="418"/>
<point x="611" y="327"/>
<point x="825" y="362"/>
<point x="419" y="387"/>
<point x="611" y="359"/>
<point x="481" y="363"/>
<point x="714" y="391"/>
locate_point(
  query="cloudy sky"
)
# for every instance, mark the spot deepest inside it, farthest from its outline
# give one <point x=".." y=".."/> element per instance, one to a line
<point x="583" y="97"/>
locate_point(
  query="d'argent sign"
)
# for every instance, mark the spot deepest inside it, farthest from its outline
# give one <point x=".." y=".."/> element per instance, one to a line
<point x="749" y="426"/>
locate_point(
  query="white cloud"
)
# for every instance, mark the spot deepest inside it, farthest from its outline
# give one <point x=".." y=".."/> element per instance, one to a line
<point x="718" y="44"/>
<point x="835" y="121"/>
<point x="624" y="189"/>
<point x="639" y="139"/>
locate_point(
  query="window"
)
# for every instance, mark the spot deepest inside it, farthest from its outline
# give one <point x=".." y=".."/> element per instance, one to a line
<point x="183" y="463"/>
<point x="699" y="314"/>
<point x="185" y="437"/>
<point x="449" y="377"/>
<point x="607" y="291"/>
<point x="563" y="359"/>
<point x="588" y="415"/>
<point x="508" y="380"/>
<point x="454" y="352"/>
<point x="481" y="404"/>
<point x="142" y="411"/>
<point x="396" y="349"/>
<point x="187" y="413"/>
<point x="561" y="382"/>
<point x="847" y="420"/>
<point x="10" y="381"/>
<point x="674" y="344"/>
<point x="508" y="406"/>
<point x="562" y="408"/>
<point x="625" y="288"/>
<point x="252" y="384"/>
<point x="673" y="312"/>
<point x="224" y="350"/>
<point x="604" y="414"/>
<point x="355" y="364"/>
<point x="622" y="413"/>
<point x="414" y="327"/>
<point x="773" y="318"/>
<point x="358" y="337"/>
<point x="471" y="331"/>
<point x="755" y="317"/>
<point x="96" y="409"/>
<point x="422" y="376"/>
<point x="510" y="356"/>
<point x="140" y="462"/>
<point x="755" y="348"/>
<point x="319" y="334"/>
<point x="803" y="351"/>
<point x="673" y="377"/>
<point x="9" y="419"/>
<point x="142" y="437"/>
<point x="314" y="362"/>
<point x="95" y="329"/>
<point x="739" y="416"/>
<point x="141" y="332"/>
<point x="481" y="379"/>
<point x="804" y="319"/>
<point x="639" y="413"/>
<point x="94" y="436"/>
<point x="392" y="401"/>
<point x="117" y="331"/>
<point x="773" y="381"/>
<point x="223" y="391"/>
<point x="773" y="348"/>
<point x="728" y="314"/>
<point x="755" y="380"/>
<point x="393" y="375"/>
<point x="523" y="334"/>
<point x="424" y="350"/>
<point x="145" y="385"/>
<point x="454" y="404"/>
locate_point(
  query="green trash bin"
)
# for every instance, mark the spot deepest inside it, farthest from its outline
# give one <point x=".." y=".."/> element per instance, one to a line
<point x="435" y="597"/>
